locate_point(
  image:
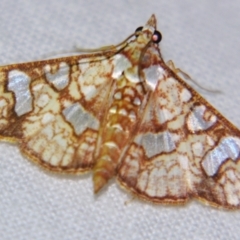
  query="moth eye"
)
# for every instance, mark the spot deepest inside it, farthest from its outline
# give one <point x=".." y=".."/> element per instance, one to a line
<point x="157" y="37"/>
<point x="138" y="30"/>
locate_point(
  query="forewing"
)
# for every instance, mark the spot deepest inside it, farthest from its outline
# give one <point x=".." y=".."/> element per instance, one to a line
<point x="183" y="148"/>
<point x="53" y="109"/>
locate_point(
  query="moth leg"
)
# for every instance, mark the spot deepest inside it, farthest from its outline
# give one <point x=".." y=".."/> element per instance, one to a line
<point x="171" y="65"/>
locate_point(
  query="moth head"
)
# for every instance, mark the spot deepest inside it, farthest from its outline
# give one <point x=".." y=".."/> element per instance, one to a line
<point x="149" y="31"/>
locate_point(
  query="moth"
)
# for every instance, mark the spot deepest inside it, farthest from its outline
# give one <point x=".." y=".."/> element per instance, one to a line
<point x="122" y="112"/>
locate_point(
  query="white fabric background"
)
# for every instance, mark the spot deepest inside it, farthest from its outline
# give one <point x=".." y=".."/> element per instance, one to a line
<point x="201" y="37"/>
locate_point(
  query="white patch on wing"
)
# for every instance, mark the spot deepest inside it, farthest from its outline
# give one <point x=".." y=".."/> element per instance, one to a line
<point x="154" y="144"/>
<point x="88" y="91"/>
<point x="60" y="79"/>
<point x="153" y="74"/>
<point x="120" y="63"/>
<point x="18" y="82"/>
<point x="79" y="118"/>
<point x="196" y="120"/>
<point x="228" y="147"/>
<point x="185" y="95"/>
